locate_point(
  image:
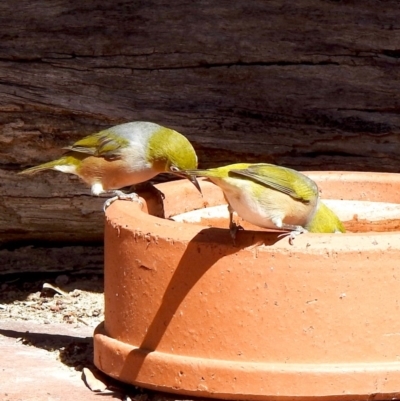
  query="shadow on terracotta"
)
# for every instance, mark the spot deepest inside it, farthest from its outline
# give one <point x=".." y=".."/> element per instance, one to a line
<point x="189" y="271"/>
<point x="187" y="312"/>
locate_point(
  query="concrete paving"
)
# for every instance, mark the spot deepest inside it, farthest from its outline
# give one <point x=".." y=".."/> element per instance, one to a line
<point x="29" y="372"/>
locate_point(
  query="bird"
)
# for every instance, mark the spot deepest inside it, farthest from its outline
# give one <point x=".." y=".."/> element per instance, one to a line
<point x="125" y="155"/>
<point x="272" y="197"/>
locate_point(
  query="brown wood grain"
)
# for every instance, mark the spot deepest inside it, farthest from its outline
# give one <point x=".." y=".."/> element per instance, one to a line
<point x="312" y="84"/>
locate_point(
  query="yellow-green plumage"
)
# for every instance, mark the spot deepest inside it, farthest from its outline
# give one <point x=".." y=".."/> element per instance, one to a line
<point x="285" y="180"/>
<point x="325" y="221"/>
<point x="105" y="143"/>
<point x="179" y="150"/>
<point x="271" y="196"/>
<point x="67" y="160"/>
<point x="125" y="155"/>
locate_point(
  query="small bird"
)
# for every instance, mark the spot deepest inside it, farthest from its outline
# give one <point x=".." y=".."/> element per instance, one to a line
<point x="125" y="155"/>
<point x="272" y="197"/>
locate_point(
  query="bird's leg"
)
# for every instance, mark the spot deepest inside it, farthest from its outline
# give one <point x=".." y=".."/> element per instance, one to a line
<point x="233" y="227"/>
<point x="119" y="195"/>
<point x="153" y="197"/>
<point x="149" y="187"/>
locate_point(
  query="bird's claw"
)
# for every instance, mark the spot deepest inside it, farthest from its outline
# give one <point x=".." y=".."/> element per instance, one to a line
<point x="119" y="195"/>
<point x="293" y="234"/>
<point x="233" y="229"/>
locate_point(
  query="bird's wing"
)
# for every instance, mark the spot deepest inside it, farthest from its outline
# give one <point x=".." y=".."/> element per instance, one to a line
<point x="282" y="179"/>
<point x="102" y="144"/>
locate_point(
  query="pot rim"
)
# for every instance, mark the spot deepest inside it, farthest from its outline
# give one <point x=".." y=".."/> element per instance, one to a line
<point x="122" y="211"/>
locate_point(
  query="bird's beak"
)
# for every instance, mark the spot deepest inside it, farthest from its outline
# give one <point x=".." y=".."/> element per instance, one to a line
<point x="193" y="180"/>
<point x="191" y="177"/>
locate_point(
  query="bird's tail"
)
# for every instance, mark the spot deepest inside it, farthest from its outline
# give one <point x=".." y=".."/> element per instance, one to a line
<point x="40" y="167"/>
<point x="67" y="161"/>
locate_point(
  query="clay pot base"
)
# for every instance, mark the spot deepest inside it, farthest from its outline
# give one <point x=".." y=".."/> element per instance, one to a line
<point x="187" y="312"/>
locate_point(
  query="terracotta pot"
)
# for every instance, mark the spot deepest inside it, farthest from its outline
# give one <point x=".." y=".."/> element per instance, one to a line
<point x="187" y="312"/>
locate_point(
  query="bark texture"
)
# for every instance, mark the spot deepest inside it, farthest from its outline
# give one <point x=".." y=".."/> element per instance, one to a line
<point x="312" y="84"/>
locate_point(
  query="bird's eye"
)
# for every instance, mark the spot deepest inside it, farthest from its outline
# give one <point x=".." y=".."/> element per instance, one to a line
<point x="174" y="169"/>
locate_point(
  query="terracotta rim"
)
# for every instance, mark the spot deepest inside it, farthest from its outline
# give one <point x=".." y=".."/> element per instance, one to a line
<point x="227" y="378"/>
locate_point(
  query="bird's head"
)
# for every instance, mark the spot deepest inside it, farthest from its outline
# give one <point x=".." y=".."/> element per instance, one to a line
<point x="171" y="152"/>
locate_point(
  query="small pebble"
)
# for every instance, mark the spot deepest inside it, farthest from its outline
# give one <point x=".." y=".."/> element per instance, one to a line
<point x="75" y="293"/>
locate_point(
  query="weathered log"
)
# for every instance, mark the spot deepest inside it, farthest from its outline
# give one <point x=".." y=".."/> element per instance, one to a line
<point x="74" y="242"/>
<point x="307" y="84"/>
<point x="51" y="259"/>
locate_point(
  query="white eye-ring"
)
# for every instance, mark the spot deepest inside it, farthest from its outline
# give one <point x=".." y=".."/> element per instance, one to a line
<point x="174" y="169"/>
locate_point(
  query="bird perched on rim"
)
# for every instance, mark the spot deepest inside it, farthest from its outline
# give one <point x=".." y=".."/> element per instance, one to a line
<point x="125" y="155"/>
<point x="273" y="197"/>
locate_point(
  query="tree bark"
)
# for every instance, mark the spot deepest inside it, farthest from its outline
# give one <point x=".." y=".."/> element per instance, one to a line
<point x="312" y="84"/>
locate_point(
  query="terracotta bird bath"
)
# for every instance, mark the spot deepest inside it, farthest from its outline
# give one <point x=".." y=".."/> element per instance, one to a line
<point x="188" y="312"/>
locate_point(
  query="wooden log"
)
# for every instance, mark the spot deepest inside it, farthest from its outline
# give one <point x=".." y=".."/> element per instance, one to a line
<point x="73" y="259"/>
<point x="307" y="84"/>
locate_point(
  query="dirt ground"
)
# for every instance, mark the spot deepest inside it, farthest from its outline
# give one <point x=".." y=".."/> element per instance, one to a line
<point x="75" y="302"/>
<point x="71" y="300"/>
<point x="53" y="299"/>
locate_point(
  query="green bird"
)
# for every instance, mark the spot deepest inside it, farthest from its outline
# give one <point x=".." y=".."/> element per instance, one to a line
<point x="274" y="197"/>
<point x="125" y="155"/>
